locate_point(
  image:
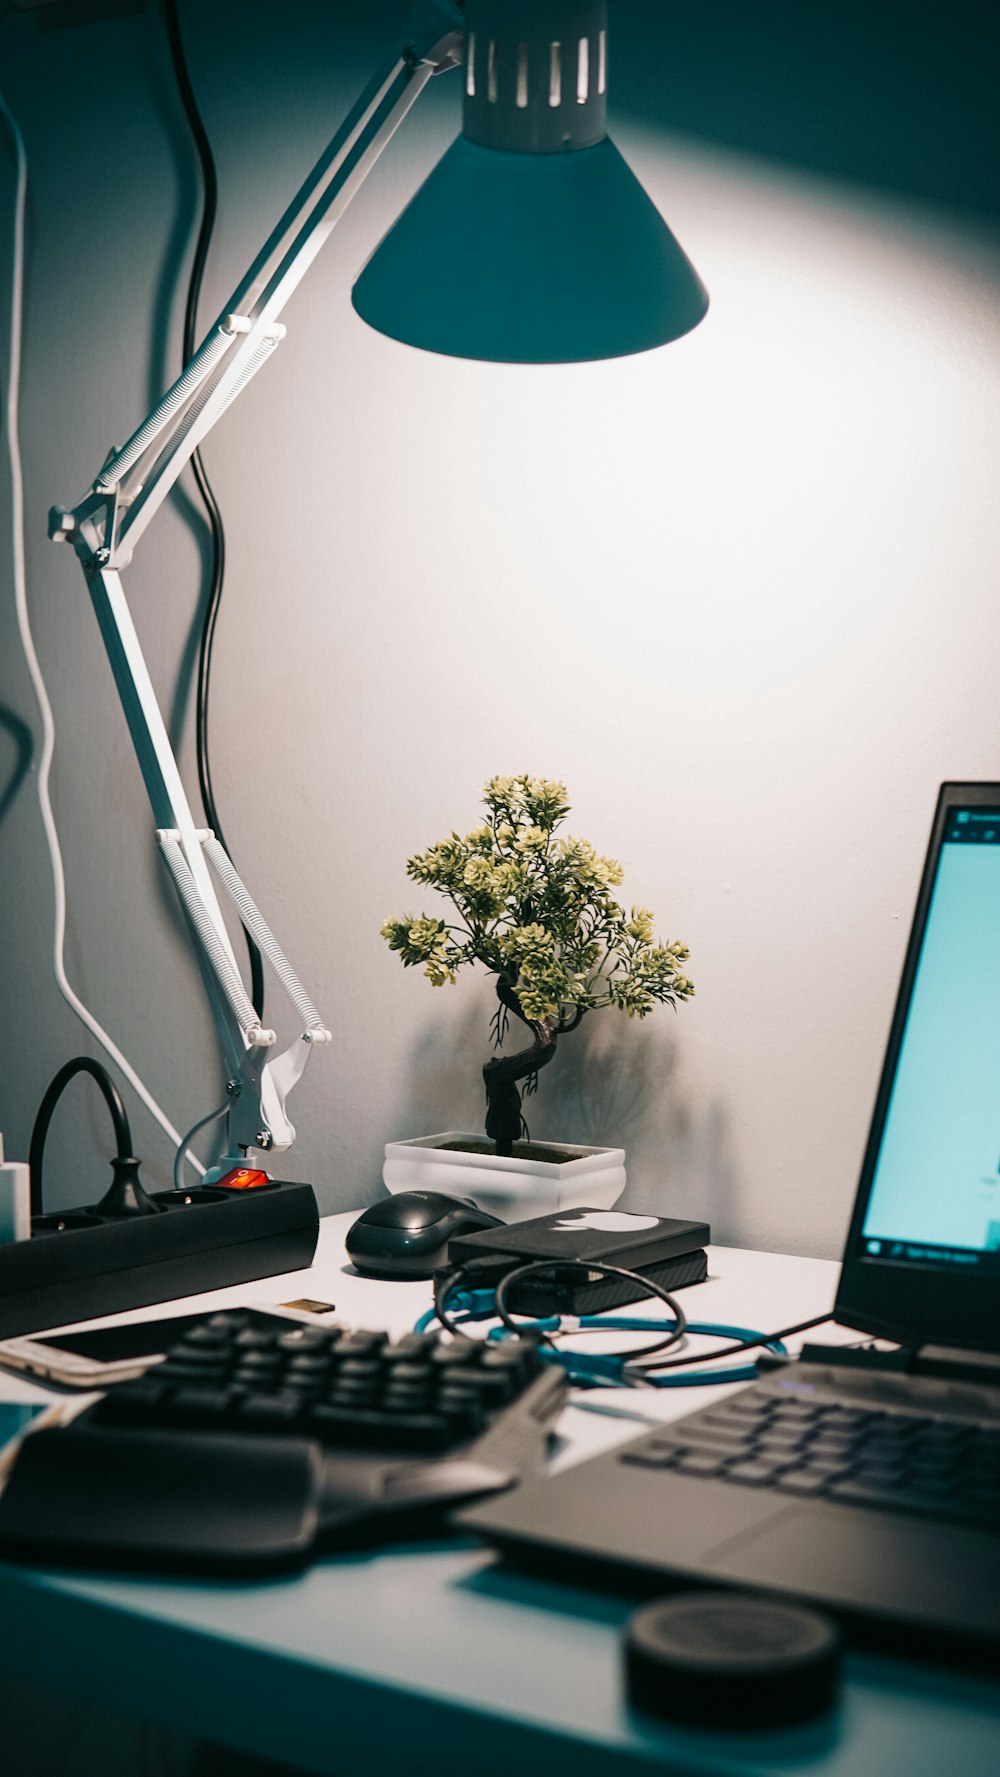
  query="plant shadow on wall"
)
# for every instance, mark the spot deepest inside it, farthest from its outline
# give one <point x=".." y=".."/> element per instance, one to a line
<point x="624" y="1083"/>
<point x="616" y="1080"/>
<point x="534" y="907"/>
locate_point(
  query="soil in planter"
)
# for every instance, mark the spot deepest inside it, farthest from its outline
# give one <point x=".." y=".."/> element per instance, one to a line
<point x="523" y="1150"/>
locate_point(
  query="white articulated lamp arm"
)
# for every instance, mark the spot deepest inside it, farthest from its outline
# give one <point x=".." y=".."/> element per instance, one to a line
<point x="135" y="480"/>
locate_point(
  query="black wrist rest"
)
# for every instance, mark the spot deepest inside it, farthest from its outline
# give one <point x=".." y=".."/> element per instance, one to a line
<point x="146" y="1500"/>
<point x="161" y="1501"/>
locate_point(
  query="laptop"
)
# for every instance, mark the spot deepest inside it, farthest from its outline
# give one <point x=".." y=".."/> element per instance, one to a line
<point x="866" y="1481"/>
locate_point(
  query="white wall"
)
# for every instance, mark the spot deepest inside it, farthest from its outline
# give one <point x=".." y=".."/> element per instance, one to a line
<point x="740" y="594"/>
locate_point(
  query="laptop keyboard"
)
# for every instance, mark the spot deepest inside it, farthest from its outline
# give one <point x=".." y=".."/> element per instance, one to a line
<point x="341" y="1387"/>
<point x="904" y="1462"/>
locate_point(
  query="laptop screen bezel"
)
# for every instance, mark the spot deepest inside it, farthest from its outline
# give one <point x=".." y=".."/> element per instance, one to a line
<point x="916" y="1304"/>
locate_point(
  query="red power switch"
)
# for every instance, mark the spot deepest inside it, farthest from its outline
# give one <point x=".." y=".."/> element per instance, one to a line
<point x="243" y="1178"/>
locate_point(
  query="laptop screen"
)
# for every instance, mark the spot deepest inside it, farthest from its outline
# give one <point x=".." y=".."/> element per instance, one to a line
<point x="935" y="1188"/>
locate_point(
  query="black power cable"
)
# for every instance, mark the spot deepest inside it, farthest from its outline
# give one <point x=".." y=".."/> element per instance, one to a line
<point x="81" y="1064"/>
<point x="210" y="204"/>
<point x="710" y="1357"/>
<point x="554" y="1267"/>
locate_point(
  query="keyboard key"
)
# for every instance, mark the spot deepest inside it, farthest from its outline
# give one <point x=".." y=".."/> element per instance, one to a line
<point x="199" y="1406"/>
<point x="411" y="1348"/>
<point x="699" y="1462"/>
<point x="415" y="1376"/>
<point x="753" y="1474"/>
<point x="937" y="1482"/>
<point x="361" y="1345"/>
<point x="858" y="1492"/>
<point x="253" y="1339"/>
<point x="456" y="1355"/>
<point x="265" y="1412"/>
<point x="852" y="1418"/>
<point x="464" y="1412"/>
<point x="827" y="1471"/>
<point x="304" y="1339"/>
<point x="945" y="1435"/>
<point x="359" y="1369"/>
<point x="727" y="1421"/>
<point x="800" y="1480"/>
<point x="406" y="1400"/>
<point x="212" y="1337"/>
<point x="881" y="1475"/>
<point x="646" y="1458"/>
<point x="201" y="1362"/>
<point x="716" y="1437"/>
<point x="777" y="1439"/>
<point x="378" y="1430"/>
<point x="884" y="1450"/>
<point x="828" y="1449"/>
<point x="175" y="1371"/>
<point x="242" y="1377"/>
<point x="257" y="1361"/>
<point x="909" y="1422"/>
<point x="508" y="1363"/>
<point x="750" y="1407"/>
<point x="352" y="1393"/>
<point x="134" y="1402"/>
<point x="306" y="1365"/>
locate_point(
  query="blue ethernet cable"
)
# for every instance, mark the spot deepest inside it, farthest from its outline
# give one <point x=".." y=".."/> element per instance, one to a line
<point x="587" y="1370"/>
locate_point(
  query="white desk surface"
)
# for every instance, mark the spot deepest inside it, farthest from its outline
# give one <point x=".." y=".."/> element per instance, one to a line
<point x="434" y="1659"/>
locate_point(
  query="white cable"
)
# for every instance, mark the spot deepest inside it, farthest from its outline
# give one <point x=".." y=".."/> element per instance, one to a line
<point x="27" y="643"/>
<point x="213" y="1117"/>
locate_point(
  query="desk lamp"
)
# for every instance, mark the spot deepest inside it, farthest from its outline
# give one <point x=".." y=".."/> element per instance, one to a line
<point x="530" y="242"/>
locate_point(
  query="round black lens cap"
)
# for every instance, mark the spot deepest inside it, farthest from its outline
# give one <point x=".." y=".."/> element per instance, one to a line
<point x="730" y="1660"/>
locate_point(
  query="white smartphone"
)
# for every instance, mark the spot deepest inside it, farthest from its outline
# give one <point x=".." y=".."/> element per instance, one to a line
<point x="96" y="1357"/>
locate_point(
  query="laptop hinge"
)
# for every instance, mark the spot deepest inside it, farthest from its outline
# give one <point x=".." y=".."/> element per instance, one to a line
<point x="952" y="1362"/>
<point x="956" y="1362"/>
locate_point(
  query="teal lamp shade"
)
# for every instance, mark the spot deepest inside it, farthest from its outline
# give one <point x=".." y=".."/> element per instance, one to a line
<point x="532" y="242"/>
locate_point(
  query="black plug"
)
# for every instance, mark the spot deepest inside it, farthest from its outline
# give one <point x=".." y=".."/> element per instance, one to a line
<point x="126" y="1195"/>
<point x="478" y="1273"/>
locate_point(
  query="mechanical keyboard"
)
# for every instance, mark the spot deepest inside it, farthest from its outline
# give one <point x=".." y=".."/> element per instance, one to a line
<point x="905" y="1462"/>
<point x="352" y="1389"/>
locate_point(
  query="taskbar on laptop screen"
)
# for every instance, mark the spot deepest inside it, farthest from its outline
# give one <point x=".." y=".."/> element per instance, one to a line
<point x="915" y="1252"/>
<point x="935" y="1188"/>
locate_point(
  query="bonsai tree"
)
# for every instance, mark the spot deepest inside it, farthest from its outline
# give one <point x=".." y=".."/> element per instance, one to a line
<point x="537" y="911"/>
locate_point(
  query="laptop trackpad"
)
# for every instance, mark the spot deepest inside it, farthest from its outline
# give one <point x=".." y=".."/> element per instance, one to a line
<point x="869" y="1559"/>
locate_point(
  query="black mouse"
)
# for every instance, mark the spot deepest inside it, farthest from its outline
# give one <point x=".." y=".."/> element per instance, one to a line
<point x="407" y="1235"/>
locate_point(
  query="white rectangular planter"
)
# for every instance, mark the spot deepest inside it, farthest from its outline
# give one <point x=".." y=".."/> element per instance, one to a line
<point x="513" y="1189"/>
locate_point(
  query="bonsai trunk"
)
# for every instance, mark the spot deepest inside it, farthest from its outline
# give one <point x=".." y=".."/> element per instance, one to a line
<point x="503" y="1100"/>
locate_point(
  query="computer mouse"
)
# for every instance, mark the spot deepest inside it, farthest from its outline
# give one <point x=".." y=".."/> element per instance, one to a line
<point x="407" y="1235"/>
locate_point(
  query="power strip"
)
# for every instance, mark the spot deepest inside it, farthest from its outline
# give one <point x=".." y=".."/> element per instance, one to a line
<point x="78" y="1273"/>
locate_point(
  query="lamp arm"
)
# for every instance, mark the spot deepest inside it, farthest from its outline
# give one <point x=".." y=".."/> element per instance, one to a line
<point x="131" y="487"/>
